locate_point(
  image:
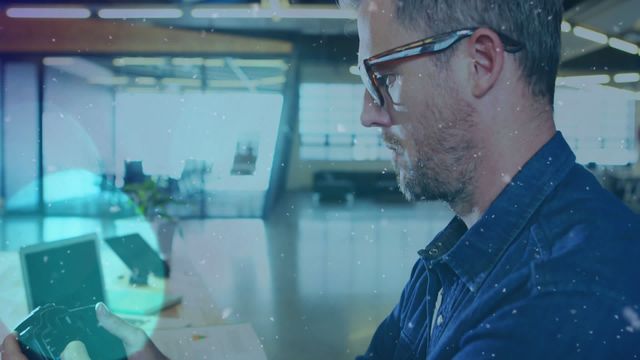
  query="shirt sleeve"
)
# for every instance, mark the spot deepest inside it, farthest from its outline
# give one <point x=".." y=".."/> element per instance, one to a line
<point x="558" y="325"/>
<point x="385" y="340"/>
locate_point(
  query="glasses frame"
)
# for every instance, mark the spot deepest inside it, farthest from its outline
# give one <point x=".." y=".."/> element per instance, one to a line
<point x="430" y="45"/>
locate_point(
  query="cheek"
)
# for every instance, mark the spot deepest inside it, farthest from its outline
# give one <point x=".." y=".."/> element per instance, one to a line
<point x="422" y="135"/>
<point x="410" y="148"/>
<point x="415" y="86"/>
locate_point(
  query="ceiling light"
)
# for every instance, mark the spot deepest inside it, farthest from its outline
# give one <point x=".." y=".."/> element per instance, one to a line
<point x="626" y="78"/>
<point x="226" y="84"/>
<point x="109" y="80"/>
<point x="623" y="45"/>
<point x="139" y="61"/>
<point x="141" y="13"/>
<point x="145" y="80"/>
<point x="138" y="89"/>
<point x="187" y="61"/>
<point x="317" y="14"/>
<point x="58" y="61"/>
<point x="253" y="11"/>
<point x="182" y="81"/>
<point x="582" y="81"/>
<point x="257" y="12"/>
<point x="214" y="63"/>
<point x="565" y="26"/>
<point x="275" y="80"/>
<point x="261" y="63"/>
<point x="589" y="34"/>
<point x="48" y="13"/>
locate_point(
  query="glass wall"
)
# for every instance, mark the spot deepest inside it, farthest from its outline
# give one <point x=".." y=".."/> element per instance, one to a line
<point x="118" y="129"/>
<point x="599" y="123"/>
<point x="2" y="191"/>
<point x="218" y="150"/>
<point x="330" y="126"/>
<point x="21" y="112"/>
<point x="77" y="135"/>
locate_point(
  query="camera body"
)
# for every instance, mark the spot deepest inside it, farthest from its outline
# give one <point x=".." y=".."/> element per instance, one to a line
<point x="47" y="330"/>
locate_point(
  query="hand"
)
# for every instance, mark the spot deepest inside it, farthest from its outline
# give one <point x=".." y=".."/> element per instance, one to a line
<point x="136" y="343"/>
<point x="10" y="349"/>
<point x="75" y="350"/>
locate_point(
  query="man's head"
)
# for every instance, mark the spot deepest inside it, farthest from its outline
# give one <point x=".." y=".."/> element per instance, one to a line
<point x="438" y="106"/>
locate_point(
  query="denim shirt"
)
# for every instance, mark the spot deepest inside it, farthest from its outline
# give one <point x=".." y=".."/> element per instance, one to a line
<point x="551" y="270"/>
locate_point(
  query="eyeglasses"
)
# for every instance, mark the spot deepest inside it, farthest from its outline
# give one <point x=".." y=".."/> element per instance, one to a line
<point x="374" y="81"/>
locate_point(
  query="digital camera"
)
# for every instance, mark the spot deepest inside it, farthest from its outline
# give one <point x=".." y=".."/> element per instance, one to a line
<point x="48" y="329"/>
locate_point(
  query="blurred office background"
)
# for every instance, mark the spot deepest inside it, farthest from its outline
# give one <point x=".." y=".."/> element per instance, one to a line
<point x="233" y="127"/>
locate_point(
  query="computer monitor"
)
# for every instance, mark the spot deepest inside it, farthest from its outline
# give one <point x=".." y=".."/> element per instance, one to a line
<point x="138" y="255"/>
<point x="65" y="272"/>
<point x="69" y="273"/>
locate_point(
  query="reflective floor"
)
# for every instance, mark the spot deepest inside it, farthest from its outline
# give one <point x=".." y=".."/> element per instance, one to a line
<point x="313" y="280"/>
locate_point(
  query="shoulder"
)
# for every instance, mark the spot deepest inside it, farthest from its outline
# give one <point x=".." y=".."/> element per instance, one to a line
<point x="560" y="324"/>
<point x="578" y="200"/>
<point x="572" y="279"/>
<point x="588" y="240"/>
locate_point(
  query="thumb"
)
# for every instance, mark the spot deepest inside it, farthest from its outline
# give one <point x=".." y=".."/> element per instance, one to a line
<point x="133" y="338"/>
<point x="75" y="350"/>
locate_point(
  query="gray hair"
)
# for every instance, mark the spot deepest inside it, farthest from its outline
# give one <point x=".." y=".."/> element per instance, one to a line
<point x="534" y="23"/>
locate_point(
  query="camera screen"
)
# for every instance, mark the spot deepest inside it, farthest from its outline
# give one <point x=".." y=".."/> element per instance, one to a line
<point x="67" y="275"/>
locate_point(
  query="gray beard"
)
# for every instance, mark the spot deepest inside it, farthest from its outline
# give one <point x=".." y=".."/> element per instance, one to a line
<point x="424" y="185"/>
<point x="445" y="175"/>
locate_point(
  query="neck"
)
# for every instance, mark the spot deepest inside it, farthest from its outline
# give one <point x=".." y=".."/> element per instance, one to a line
<point x="504" y="150"/>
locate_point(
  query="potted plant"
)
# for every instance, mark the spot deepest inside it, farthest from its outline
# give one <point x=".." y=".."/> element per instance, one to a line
<point x="152" y="201"/>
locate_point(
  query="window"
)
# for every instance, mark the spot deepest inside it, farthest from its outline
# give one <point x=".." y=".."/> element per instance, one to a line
<point x="21" y="129"/>
<point x="330" y="126"/>
<point x="598" y="123"/>
<point x="181" y="122"/>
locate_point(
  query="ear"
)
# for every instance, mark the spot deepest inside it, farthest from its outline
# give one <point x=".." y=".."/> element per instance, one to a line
<point x="486" y="51"/>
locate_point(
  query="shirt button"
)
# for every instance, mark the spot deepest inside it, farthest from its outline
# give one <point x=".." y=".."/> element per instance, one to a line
<point x="433" y="251"/>
<point x="439" y="320"/>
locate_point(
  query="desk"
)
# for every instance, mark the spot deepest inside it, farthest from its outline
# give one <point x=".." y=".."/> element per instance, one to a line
<point x="13" y="302"/>
<point x="196" y="309"/>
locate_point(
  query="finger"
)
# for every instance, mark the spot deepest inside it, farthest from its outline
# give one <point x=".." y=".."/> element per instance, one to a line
<point x="136" y="343"/>
<point x="11" y="348"/>
<point x="75" y="350"/>
<point x="133" y="338"/>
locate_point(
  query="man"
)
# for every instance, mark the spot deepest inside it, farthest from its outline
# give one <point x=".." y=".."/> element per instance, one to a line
<point x="636" y="169"/>
<point x="539" y="259"/>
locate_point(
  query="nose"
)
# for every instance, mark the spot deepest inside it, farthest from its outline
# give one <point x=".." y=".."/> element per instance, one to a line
<point x="373" y="115"/>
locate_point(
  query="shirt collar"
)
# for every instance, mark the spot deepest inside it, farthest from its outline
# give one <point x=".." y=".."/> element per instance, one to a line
<point x="473" y="253"/>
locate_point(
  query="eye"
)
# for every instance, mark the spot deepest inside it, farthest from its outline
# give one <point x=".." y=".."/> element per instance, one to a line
<point x="389" y="80"/>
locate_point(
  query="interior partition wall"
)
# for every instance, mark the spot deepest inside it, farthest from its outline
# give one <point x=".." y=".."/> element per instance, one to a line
<point x="598" y="123"/>
<point x="280" y="164"/>
<point x="72" y="124"/>
<point x="22" y="152"/>
<point x="2" y="196"/>
<point x="211" y="133"/>
<point x="77" y="136"/>
<point x="197" y="119"/>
